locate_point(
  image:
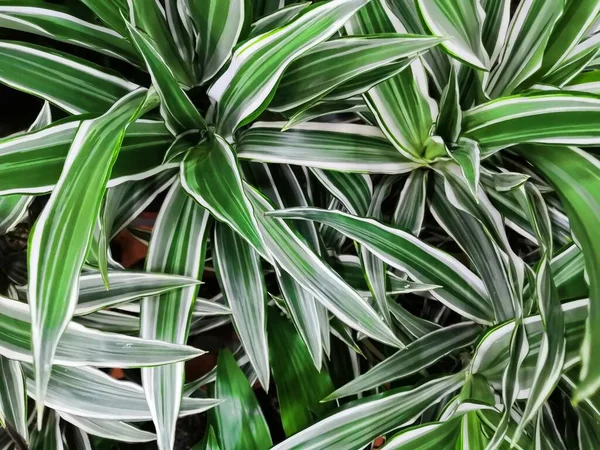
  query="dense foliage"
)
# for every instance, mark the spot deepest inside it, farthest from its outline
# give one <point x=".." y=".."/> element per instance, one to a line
<point x="391" y="205"/>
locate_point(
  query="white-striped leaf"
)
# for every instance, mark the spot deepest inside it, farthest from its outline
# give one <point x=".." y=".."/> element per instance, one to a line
<point x="13" y="398"/>
<point x="177" y="245"/>
<point x="462" y="291"/>
<point x="523" y="50"/>
<point x="109" y="429"/>
<point x="418" y="355"/>
<point x="348" y="148"/>
<point x="240" y="276"/>
<point x="277" y="19"/>
<point x="462" y="23"/>
<point x="218" y="25"/>
<point x="353" y="190"/>
<point x="55" y="24"/>
<point x="72" y="84"/>
<point x="90" y="393"/>
<point x="210" y="173"/>
<point x="355" y="426"/>
<point x="70" y="214"/>
<point x="261" y="61"/>
<point x="331" y="64"/>
<point x="313" y="274"/>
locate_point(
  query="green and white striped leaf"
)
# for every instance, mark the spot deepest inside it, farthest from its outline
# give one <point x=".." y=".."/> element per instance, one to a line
<point x="177" y="245"/>
<point x="324" y="108"/>
<point x="314" y="275"/>
<point x="576" y="176"/>
<point x="125" y="286"/>
<point x="55" y="24"/>
<point x="400" y="104"/>
<point x="462" y="23"/>
<point x="72" y="84"/>
<point x="240" y="276"/>
<point x="355" y="426"/>
<point x="485" y="254"/>
<point x="410" y="210"/>
<point x="523" y="50"/>
<point x="239" y="411"/>
<point x="300" y="385"/>
<point x="331" y="64"/>
<point x="568" y="32"/>
<point x="418" y="355"/>
<point x="462" y="291"/>
<point x="150" y="17"/>
<point x="109" y="429"/>
<point x="353" y="190"/>
<point x="218" y="24"/>
<point x="90" y="393"/>
<point x="495" y="26"/>
<point x="32" y="163"/>
<point x="179" y="112"/>
<point x="568" y="273"/>
<point x="468" y="155"/>
<point x="450" y="116"/>
<point x="585" y="82"/>
<point x="13" y="398"/>
<point x="210" y="173"/>
<point x="111" y="12"/>
<point x="277" y="19"/>
<point x="81" y="346"/>
<point x="70" y="214"/>
<point x="549" y="118"/>
<point x="13" y="208"/>
<point x="261" y="61"/>
<point x="432" y="436"/>
<point x="341" y="147"/>
<point x="492" y="353"/>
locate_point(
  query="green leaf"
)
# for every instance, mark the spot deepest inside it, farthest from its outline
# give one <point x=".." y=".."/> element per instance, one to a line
<point x="125" y="286"/>
<point x="462" y="291"/>
<point x="179" y="112"/>
<point x="575" y="176"/>
<point x="150" y="17"/>
<point x="568" y="267"/>
<point x="109" y="429"/>
<point x="586" y="82"/>
<point x="261" y="61"/>
<point x="13" y="399"/>
<point x="81" y="346"/>
<point x="72" y="84"/>
<point x="314" y="275"/>
<point x="331" y="64"/>
<point x="240" y="276"/>
<point x="55" y="24"/>
<point x="70" y="214"/>
<point x="277" y="19"/>
<point x="33" y="162"/>
<point x="462" y="23"/>
<point x="210" y="173"/>
<point x="92" y="394"/>
<point x="400" y="104"/>
<point x="568" y="32"/>
<point x="218" y="24"/>
<point x="238" y="422"/>
<point x="418" y="355"/>
<point x="355" y="426"/>
<point x="209" y="442"/>
<point x="341" y="147"/>
<point x="548" y="118"/>
<point x="300" y="386"/>
<point x="523" y="51"/>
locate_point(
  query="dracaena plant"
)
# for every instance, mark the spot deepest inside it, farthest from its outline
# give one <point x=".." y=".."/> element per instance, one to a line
<point x="394" y="203"/>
